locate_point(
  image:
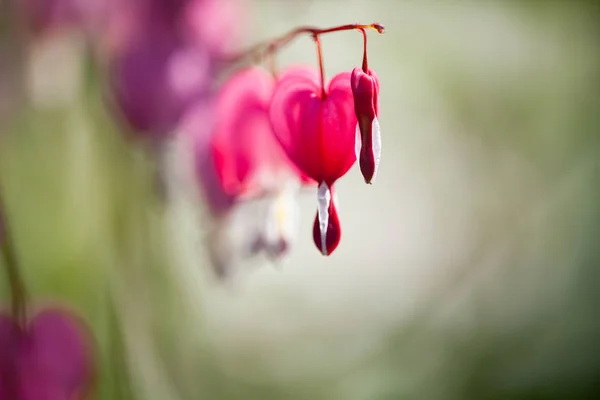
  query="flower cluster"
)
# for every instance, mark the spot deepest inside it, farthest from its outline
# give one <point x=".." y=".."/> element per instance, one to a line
<point x="272" y="126"/>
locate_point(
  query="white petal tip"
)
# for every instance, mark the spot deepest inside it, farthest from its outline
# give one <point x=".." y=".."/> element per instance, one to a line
<point x="376" y="130"/>
<point x="323" y="200"/>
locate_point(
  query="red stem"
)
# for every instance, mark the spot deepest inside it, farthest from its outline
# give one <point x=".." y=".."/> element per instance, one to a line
<point x="365" y="63"/>
<point x="321" y="67"/>
<point x="271" y="46"/>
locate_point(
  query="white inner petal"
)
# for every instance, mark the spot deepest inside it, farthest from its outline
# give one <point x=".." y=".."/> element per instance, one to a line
<point x="282" y="218"/>
<point x="323" y="199"/>
<point x="376" y="145"/>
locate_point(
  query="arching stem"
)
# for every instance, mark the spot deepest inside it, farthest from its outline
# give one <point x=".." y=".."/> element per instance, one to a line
<point x="272" y="46"/>
<point x="321" y="66"/>
<point x="365" y="63"/>
<point x="11" y="265"/>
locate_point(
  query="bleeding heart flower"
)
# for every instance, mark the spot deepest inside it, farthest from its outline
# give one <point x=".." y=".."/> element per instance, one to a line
<point x="48" y="359"/>
<point x="247" y="160"/>
<point x="365" y="88"/>
<point x="247" y="180"/>
<point x="247" y="156"/>
<point x="316" y="128"/>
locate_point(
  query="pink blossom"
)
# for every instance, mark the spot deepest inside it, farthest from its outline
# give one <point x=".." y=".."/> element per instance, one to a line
<point x="49" y="359"/>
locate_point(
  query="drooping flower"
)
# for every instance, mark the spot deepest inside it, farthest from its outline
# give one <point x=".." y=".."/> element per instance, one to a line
<point x="167" y="61"/>
<point x="246" y="178"/>
<point x="247" y="157"/>
<point x="316" y="128"/>
<point x="365" y="89"/>
<point x="317" y="132"/>
<point x="50" y="358"/>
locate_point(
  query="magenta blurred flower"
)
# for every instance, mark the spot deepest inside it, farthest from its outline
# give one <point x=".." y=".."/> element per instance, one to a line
<point x="247" y="157"/>
<point x="215" y="24"/>
<point x="50" y="359"/>
<point x="316" y="127"/>
<point x="155" y="80"/>
<point x="248" y="181"/>
<point x="168" y="60"/>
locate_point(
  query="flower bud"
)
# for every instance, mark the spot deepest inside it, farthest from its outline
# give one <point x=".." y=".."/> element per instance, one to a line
<point x="365" y="89"/>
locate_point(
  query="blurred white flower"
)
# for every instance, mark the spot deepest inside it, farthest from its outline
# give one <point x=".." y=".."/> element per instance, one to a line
<point x="255" y="230"/>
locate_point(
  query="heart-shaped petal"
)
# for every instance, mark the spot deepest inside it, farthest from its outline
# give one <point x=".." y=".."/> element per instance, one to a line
<point x="248" y="159"/>
<point x="48" y="359"/>
<point x="58" y="346"/>
<point x="316" y="132"/>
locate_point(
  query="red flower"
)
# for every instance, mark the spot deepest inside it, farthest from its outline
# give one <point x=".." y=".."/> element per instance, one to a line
<point x="244" y="158"/>
<point x="248" y="159"/>
<point x="316" y="128"/>
<point x="365" y="89"/>
<point x="48" y="359"/>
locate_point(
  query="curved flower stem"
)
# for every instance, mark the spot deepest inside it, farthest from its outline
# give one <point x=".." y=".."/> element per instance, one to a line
<point x="365" y="63"/>
<point x="15" y="281"/>
<point x="271" y="46"/>
<point x="321" y="67"/>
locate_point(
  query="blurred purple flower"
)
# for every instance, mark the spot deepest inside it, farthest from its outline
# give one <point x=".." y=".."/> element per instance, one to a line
<point x="154" y="81"/>
<point x="50" y="359"/>
<point x="167" y="60"/>
<point x="221" y="31"/>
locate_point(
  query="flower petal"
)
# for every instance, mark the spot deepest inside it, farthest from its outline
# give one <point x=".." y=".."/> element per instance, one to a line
<point x="294" y="113"/>
<point x="376" y="131"/>
<point x="317" y="134"/>
<point x="61" y="347"/>
<point x="326" y="227"/>
<point x="281" y="223"/>
<point x="243" y="142"/>
<point x="324" y="200"/>
<point x="337" y="124"/>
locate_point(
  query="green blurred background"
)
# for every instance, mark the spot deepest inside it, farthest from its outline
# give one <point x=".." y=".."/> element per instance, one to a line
<point x="469" y="270"/>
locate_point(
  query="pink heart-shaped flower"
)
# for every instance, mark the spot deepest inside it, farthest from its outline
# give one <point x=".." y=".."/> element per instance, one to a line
<point x="48" y="359"/>
<point x="317" y="132"/>
<point x="247" y="159"/>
